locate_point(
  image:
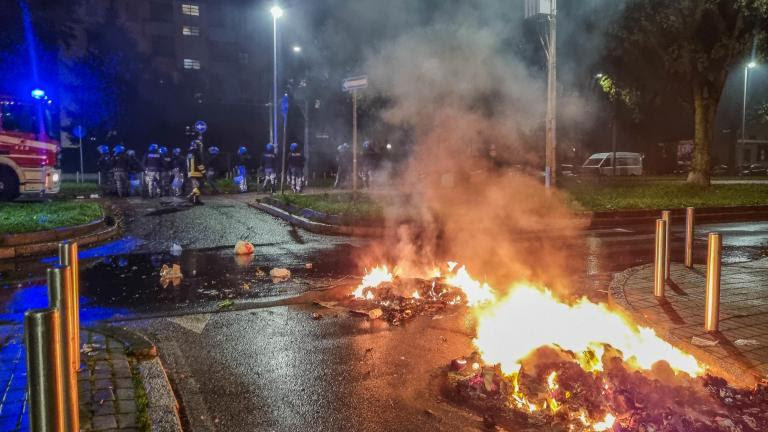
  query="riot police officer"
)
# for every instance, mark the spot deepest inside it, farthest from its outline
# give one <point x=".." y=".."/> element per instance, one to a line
<point x="213" y="167"/>
<point x="178" y="169"/>
<point x="368" y="164"/>
<point x="153" y="165"/>
<point x="242" y="159"/>
<point x="104" y="165"/>
<point x="268" y="164"/>
<point x="120" y="167"/>
<point x="344" y="164"/>
<point x="165" y="171"/>
<point x="195" y="170"/>
<point x="295" y="168"/>
<point x="135" y="173"/>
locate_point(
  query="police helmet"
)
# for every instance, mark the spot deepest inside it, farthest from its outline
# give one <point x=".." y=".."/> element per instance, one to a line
<point x="163" y="150"/>
<point x="270" y="148"/>
<point x="176" y="151"/>
<point x="131" y="153"/>
<point x="153" y="148"/>
<point x="213" y="150"/>
<point x="103" y="149"/>
<point x="242" y="151"/>
<point x="294" y="147"/>
<point x="118" y="149"/>
<point x="193" y="145"/>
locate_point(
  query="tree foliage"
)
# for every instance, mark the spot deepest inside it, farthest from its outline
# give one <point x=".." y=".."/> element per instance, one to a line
<point x="693" y="44"/>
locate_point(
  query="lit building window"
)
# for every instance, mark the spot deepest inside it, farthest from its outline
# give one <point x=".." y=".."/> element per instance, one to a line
<point x="191" y="64"/>
<point x="190" y="30"/>
<point x="189" y="9"/>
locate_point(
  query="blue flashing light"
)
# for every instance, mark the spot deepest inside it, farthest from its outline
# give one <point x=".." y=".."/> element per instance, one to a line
<point x="38" y="93"/>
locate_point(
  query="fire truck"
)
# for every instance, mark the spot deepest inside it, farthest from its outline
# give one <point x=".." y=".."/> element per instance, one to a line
<point x="28" y="147"/>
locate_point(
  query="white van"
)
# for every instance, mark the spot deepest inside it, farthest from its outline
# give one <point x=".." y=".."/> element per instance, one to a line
<point x="602" y="164"/>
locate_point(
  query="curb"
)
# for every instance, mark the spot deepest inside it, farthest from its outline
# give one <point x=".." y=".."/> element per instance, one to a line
<point x="734" y="373"/>
<point x="84" y="235"/>
<point x="162" y="406"/>
<point x="607" y="219"/>
<point x="317" y="227"/>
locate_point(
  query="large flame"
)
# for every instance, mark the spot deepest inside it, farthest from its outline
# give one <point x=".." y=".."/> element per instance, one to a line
<point x="528" y="318"/>
<point x="475" y="291"/>
<point x="375" y="277"/>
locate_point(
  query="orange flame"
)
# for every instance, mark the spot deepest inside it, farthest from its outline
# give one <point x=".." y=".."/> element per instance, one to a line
<point x="375" y="277"/>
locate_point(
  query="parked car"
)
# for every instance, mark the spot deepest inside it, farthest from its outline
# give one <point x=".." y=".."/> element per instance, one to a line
<point x="602" y="164"/>
<point x="753" y="170"/>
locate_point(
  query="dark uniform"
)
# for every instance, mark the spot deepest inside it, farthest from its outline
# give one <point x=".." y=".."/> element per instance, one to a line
<point x="242" y="161"/>
<point x="268" y="164"/>
<point x="153" y="165"/>
<point x="104" y="165"/>
<point x="178" y="171"/>
<point x="344" y="163"/>
<point x="296" y="168"/>
<point x="135" y="173"/>
<point x="120" y="168"/>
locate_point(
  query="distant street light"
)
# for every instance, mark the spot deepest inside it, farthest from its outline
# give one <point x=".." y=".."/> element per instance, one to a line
<point x="599" y="75"/>
<point x="297" y="49"/>
<point x="750" y="65"/>
<point x="276" y="12"/>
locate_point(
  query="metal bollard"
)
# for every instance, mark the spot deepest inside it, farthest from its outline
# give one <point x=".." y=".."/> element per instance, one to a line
<point x="68" y="257"/>
<point x="666" y="215"/>
<point x="41" y="338"/>
<point x="660" y="258"/>
<point x="712" y="305"/>
<point x="690" y="215"/>
<point x="60" y="297"/>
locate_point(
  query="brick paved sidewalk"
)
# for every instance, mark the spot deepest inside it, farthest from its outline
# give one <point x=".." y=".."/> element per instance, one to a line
<point x="741" y="352"/>
<point x="108" y="400"/>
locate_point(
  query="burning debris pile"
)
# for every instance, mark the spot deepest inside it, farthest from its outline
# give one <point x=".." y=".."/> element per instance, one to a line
<point x="398" y="298"/>
<point x="556" y="392"/>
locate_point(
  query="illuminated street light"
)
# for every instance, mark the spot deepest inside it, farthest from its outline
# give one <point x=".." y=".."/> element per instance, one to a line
<point x="751" y="65"/>
<point x="599" y="75"/>
<point x="38" y="93"/>
<point x="276" y="11"/>
<point x="297" y="49"/>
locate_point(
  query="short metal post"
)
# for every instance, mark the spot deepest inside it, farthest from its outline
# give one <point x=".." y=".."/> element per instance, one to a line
<point x="660" y="258"/>
<point x="46" y="403"/>
<point x="690" y="215"/>
<point x="68" y="257"/>
<point x="712" y="305"/>
<point x="60" y="297"/>
<point x="666" y="215"/>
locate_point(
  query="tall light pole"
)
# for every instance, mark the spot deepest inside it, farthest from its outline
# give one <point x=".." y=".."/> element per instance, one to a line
<point x="750" y="65"/>
<point x="277" y="12"/>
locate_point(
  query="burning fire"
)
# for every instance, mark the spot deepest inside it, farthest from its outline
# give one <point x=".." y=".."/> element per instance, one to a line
<point x="375" y="277"/>
<point x="476" y="292"/>
<point x="528" y="318"/>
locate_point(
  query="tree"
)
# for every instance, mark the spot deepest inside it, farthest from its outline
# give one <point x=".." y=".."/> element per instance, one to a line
<point x="696" y="43"/>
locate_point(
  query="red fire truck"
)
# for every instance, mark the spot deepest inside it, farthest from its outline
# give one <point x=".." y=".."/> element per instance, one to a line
<point x="28" y="147"/>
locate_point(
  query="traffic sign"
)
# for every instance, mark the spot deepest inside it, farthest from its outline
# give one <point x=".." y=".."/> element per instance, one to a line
<point x="201" y="126"/>
<point x="354" y="83"/>
<point x="78" y="131"/>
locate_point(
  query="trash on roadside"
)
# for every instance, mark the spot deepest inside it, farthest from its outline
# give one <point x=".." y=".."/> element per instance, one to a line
<point x="89" y="348"/>
<point x="226" y="304"/>
<point x="375" y="313"/>
<point x="316" y="316"/>
<point x="176" y="250"/>
<point x="703" y="342"/>
<point x="279" y="274"/>
<point x="746" y="342"/>
<point x="308" y="266"/>
<point x="94" y="196"/>
<point x="170" y="275"/>
<point x="243" y="248"/>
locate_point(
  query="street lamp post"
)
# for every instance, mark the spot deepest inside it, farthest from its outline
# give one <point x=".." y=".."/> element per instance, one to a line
<point x="277" y="12"/>
<point x="750" y="65"/>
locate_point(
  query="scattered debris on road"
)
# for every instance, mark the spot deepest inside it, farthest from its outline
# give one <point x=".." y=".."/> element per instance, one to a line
<point x="746" y="342"/>
<point x="279" y="274"/>
<point x="226" y="304"/>
<point x="243" y="248"/>
<point x="703" y="342"/>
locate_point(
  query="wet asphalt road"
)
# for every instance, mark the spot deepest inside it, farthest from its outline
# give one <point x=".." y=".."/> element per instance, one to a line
<point x="267" y="364"/>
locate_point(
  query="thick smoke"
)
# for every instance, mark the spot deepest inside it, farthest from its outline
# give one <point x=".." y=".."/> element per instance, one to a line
<point x="472" y="108"/>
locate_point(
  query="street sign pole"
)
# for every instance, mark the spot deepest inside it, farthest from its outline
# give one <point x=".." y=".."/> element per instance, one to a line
<point x="354" y="140"/>
<point x="82" y="173"/>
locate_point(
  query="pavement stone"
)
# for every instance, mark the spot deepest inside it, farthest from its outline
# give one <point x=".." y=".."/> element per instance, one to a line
<point x="680" y="314"/>
<point x="105" y="384"/>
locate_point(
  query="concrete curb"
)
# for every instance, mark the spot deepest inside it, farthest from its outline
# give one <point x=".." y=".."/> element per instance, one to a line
<point x="733" y="372"/>
<point x="607" y="219"/>
<point x="317" y="227"/>
<point x="94" y="232"/>
<point x="162" y="407"/>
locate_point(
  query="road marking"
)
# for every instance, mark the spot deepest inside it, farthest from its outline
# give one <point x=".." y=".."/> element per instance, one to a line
<point x="194" y="323"/>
